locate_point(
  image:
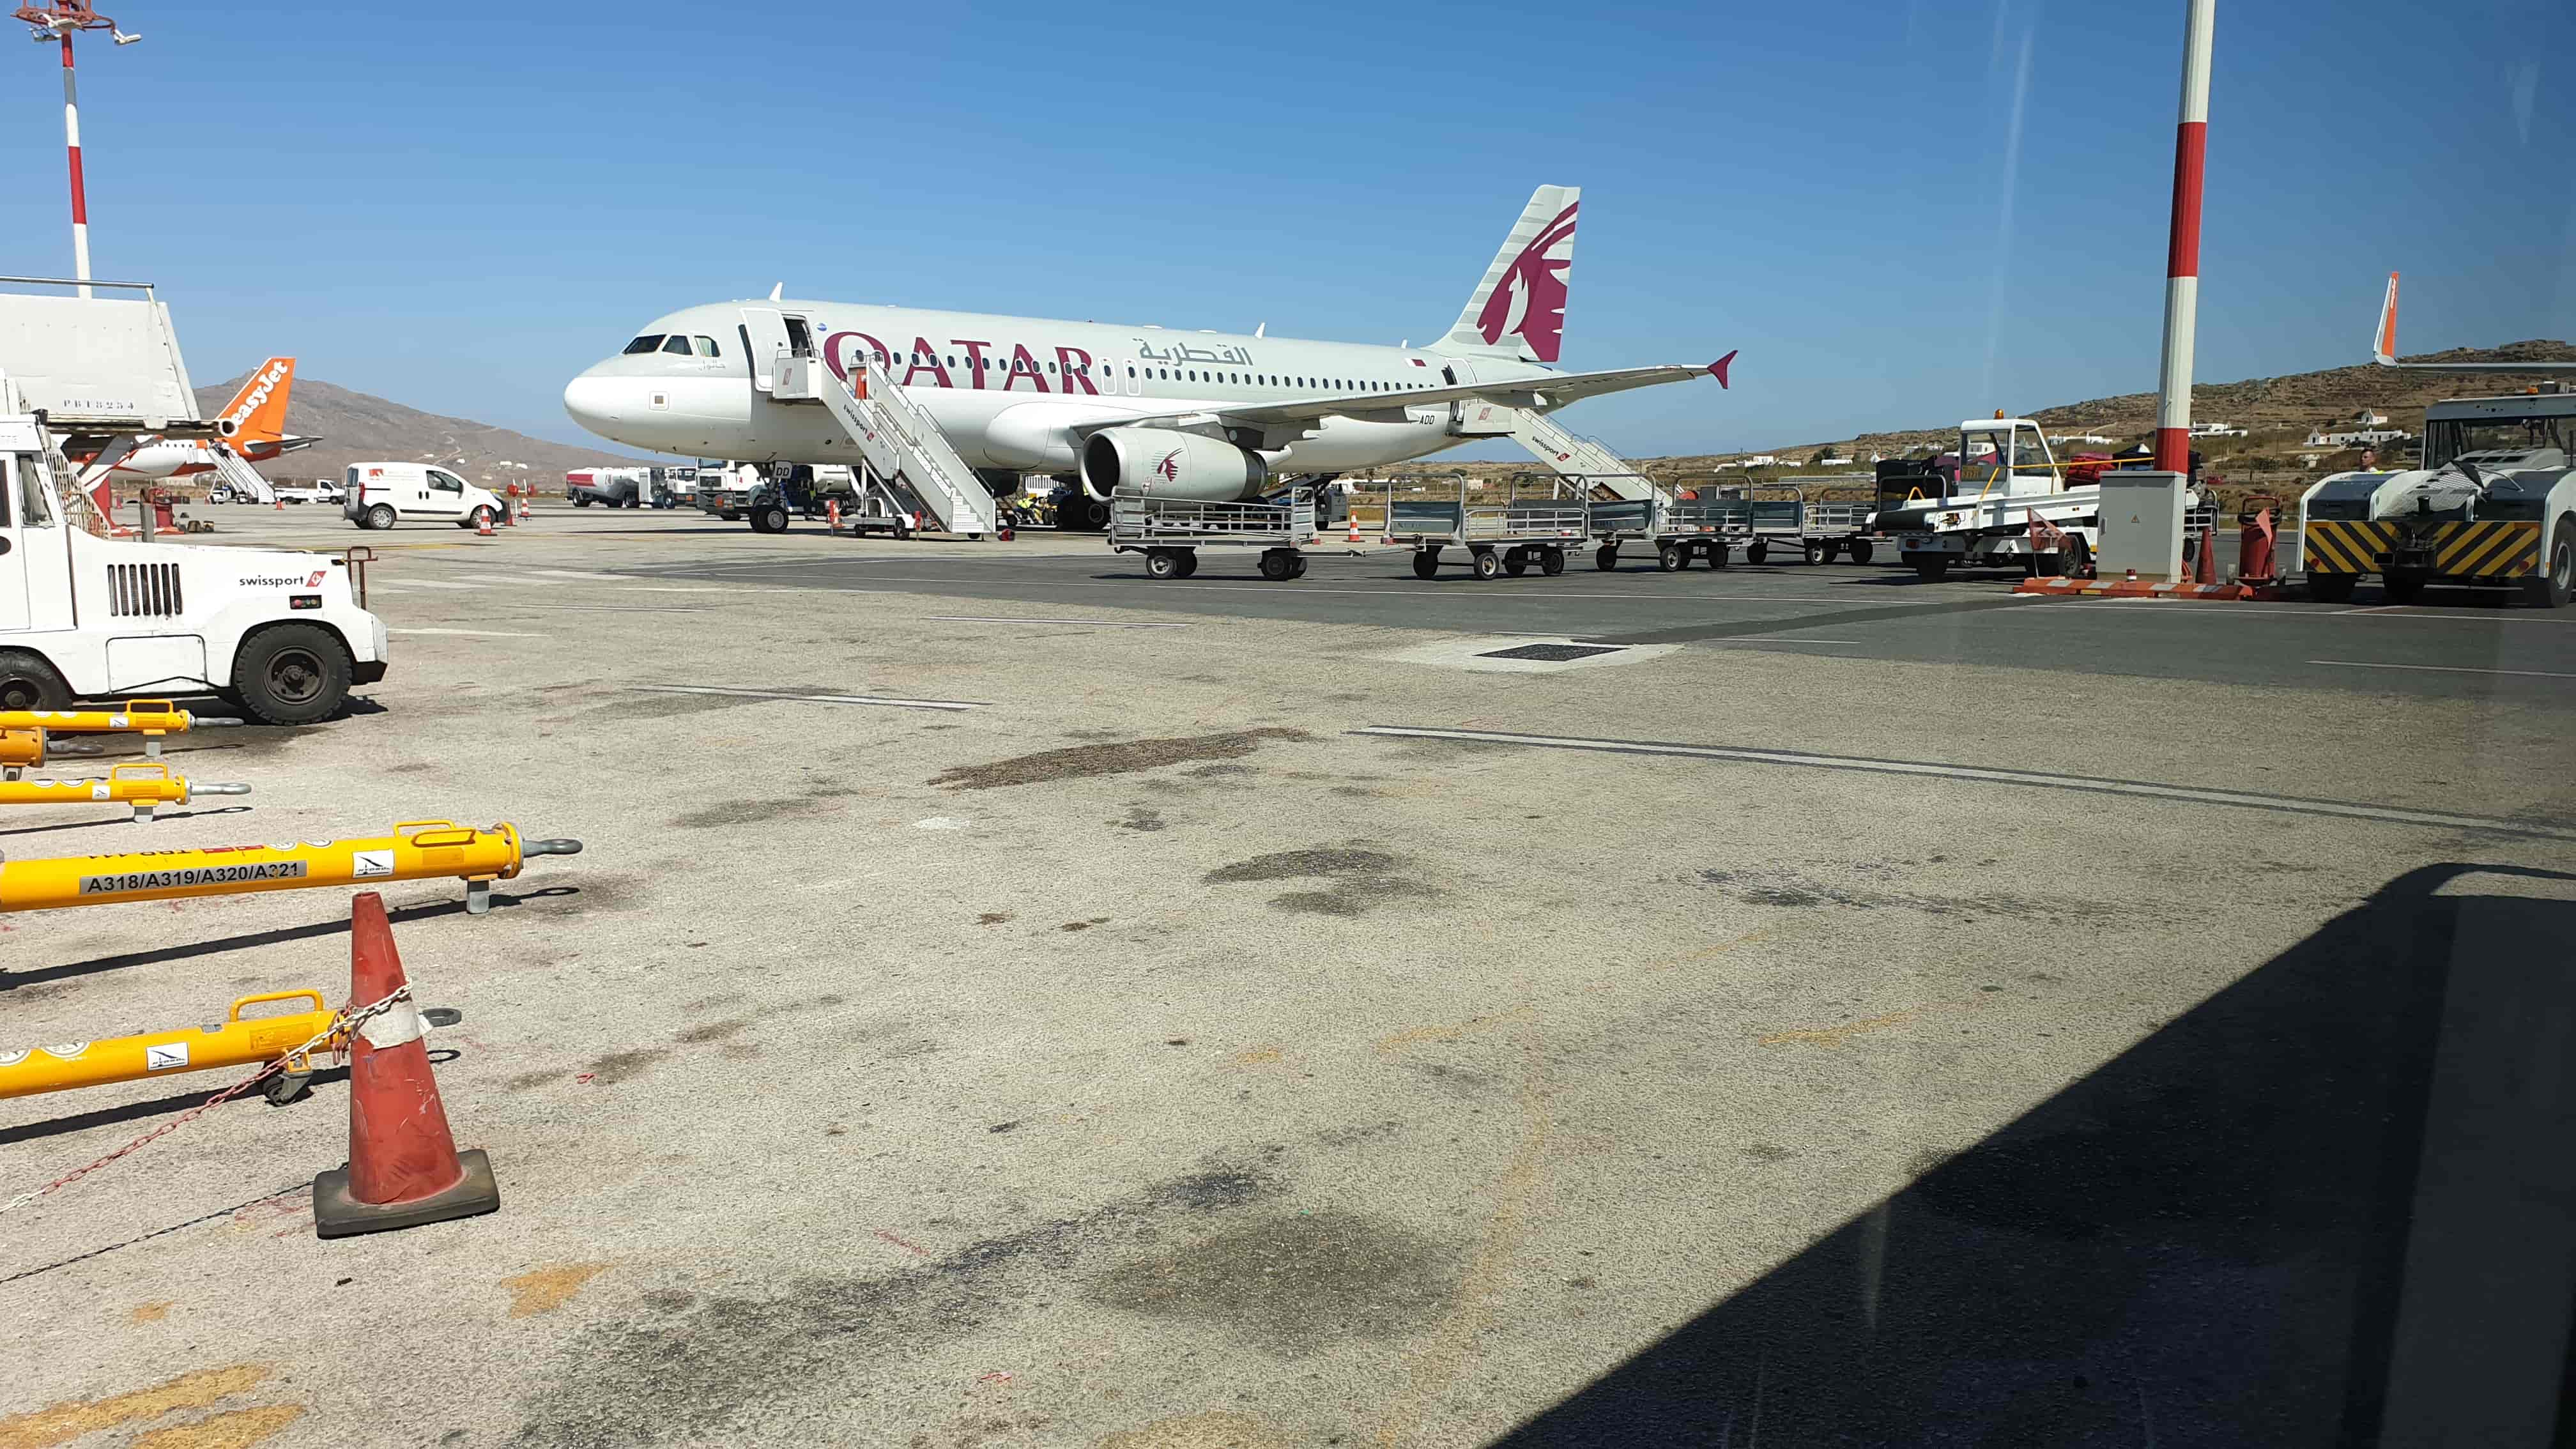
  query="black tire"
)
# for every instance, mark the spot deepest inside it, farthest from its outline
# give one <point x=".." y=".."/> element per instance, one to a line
<point x="1756" y="551"/>
<point x="1671" y="559"/>
<point x="1860" y="550"/>
<point x="771" y="519"/>
<point x="1815" y="554"/>
<point x="1426" y="562"/>
<point x="2075" y="561"/>
<point x="1931" y="569"/>
<point x="2403" y="587"/>
<point x="1488" y="563"/>
<point x="292" y="674"/>
<point x="1189" y="563"/>
<point x="1715" y="554"/>
<point x="1300" y="560"/>
<point x="2550" y="588"/>
<point x="1278" y="565"/>
<point x="2332" y="588"/>
<point x="1162" y="563"/>
<point x="1515" y="563"/>
<point x="581" y="500"/>
<point x="1606" y="557"/>
<point x="1551" y="561"/>
<point x="28" y="682"/>
<point x="902" y="529"/>
<point x="381" y="517"/>
<point x="1833" y="548"/>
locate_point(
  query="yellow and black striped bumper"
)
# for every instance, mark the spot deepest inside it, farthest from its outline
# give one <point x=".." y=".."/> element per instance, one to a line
<point x="2455" y="550"/>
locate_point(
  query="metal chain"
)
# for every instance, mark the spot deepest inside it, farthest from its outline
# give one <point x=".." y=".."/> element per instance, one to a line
<point x="336" y="1035"/>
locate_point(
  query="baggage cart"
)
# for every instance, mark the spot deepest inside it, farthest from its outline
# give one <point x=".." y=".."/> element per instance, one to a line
<point x="1169" y="532"/>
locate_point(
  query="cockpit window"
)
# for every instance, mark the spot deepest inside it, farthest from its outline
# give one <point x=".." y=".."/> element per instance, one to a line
<point x="679" y="343"/>
<point x="707" y="347"/>
<point x="643" y="344"/>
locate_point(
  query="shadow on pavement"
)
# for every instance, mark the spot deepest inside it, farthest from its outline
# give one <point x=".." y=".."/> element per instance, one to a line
<point x="2335" y="1204"/>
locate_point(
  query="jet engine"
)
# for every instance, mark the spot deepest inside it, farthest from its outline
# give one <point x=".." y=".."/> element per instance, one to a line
<point x="1166" y="464"/>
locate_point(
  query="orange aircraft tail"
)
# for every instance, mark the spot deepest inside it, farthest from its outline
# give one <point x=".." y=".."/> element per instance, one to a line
<point x="258" y="411"/>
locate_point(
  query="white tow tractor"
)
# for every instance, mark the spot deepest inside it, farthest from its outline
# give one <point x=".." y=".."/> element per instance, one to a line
<point x="1980" y="515"/>
<point x="2493" y="507"/>
<point x="84" y="616"/>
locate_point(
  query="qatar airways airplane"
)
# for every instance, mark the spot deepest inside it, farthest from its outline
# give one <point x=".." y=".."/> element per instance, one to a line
<point x="1021" y="395"/>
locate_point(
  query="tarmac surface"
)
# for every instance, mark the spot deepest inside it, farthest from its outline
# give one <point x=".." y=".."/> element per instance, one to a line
<point x="1005" y="1000"/>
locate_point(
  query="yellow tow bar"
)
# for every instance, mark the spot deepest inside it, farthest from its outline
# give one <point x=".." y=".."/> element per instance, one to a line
<point x="417" y="850"/>
<point x="23" y="731"/>
<point x="141" y="786"/>
<point x="292" y="1038"/>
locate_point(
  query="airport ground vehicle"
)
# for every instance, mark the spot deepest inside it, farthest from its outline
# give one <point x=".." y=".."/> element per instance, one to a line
<point x="2493" y="507"/>
<point x="86" y="617"/>
<point x="1503" y="536"/>
<point x="1979" y="514"/>
<point x="613" y="487"/>
<point x="383" y="494"/>
<point x="1676" y="529"/>
<point x="1169" y="532"/>
<point x="320" y="490"/>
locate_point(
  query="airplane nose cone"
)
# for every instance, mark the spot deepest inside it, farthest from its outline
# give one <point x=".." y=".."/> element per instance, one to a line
<point x="598" y="403"/>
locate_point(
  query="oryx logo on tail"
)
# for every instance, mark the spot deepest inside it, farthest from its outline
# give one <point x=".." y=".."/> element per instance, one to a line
<point x="1519" y="308"/>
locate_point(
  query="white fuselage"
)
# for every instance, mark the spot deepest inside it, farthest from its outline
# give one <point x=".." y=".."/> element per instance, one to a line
<point x="1008" y="391"/>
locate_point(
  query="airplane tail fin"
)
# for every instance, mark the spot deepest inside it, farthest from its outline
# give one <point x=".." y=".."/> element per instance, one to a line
<point x="1518" y="310"/>
<point x="258" y="411"/>
<point x="2383" y="343"/>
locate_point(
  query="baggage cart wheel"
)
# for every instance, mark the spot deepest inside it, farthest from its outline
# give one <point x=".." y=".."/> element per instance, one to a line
<point x="1300" y="560"/>
<point x="1860" y="550"/>
<point x="2332" y="588"/>
<point x="1670" y="558"/>
<point x="1606" y="557"/>
<point x="1756" y="551"/>
<point x="1426" y="562"/>
<point x="1717" y="555"/>
<point x="2077" y="560"/>
<point x="1551" y="561"/>
<point x="1278" y="564"/>
<point x="1815" y="553"/>
<point x="1186" y="564"/>
<point x="1833" y="549"/>
<point x="1162" y="563"/>
<point x="1488" y="563"/>
<point x="1515" y="563"/>
<point x="1931" y="568"/>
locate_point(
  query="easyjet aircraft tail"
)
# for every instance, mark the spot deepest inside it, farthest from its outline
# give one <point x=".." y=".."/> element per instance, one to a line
<point x="258" y="411"/>
<point x="1518" y="310"/>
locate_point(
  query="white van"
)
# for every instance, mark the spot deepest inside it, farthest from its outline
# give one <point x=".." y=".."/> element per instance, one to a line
<point x="382" y="494"/>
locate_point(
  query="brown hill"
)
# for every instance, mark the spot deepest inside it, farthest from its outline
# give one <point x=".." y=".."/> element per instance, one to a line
<point x="358" y="428"/>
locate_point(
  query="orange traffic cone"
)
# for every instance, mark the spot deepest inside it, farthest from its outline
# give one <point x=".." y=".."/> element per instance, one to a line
<point x="2204" y="569"/>
<point x="832" y="506"/>
<point x="403" y="1168"/>
<point x="483" y="523"/>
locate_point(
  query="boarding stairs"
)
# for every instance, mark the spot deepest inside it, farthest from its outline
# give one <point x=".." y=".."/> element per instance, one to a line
<point x="1594" y="469"/>
<point x="903" y="446"/>
<point x="240" y="476"/>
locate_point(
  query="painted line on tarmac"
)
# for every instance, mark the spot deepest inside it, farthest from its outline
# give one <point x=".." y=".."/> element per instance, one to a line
<point x="2444" y="669"/>
<point x="2147" y="789"/>
<point x="795" y="698"/>
<point x="427" y="584"/>
<point x="1089" y="623"/>
<point x="1696" y="633"/>
<point x="467" y="633"/>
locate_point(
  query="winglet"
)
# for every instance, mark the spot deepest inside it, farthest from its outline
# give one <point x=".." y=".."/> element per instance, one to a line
<point x="2383" y="344"/>
<point x="1718" y="368"/>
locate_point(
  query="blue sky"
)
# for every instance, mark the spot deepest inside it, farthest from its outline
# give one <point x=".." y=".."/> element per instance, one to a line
<point x="460" y="207"/>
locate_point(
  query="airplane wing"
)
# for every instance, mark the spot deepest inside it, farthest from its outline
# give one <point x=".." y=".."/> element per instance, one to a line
<point x="1554" y="390"/>
<point x="2383" y="348"/>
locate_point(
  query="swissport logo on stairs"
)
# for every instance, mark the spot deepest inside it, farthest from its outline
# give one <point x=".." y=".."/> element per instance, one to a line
<point x="1529" y="301"/>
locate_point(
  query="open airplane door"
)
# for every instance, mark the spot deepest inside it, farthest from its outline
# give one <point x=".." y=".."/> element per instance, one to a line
<point x="764" y="336"/>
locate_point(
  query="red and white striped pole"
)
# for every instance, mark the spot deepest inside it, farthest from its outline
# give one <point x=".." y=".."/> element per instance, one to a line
<point x="80" y="193"/>
<point x="2182" y="254"/>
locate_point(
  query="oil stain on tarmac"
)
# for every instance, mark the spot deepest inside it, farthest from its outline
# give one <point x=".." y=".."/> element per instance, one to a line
<point x="1120" y="758"/>
<point x="1292" y="1283"/>
<point x="1357" y="879"/>
<point x="691" y="1365"/>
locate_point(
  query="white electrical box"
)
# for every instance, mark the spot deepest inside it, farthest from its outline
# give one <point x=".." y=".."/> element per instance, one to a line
<point x="2142" y="520"/>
